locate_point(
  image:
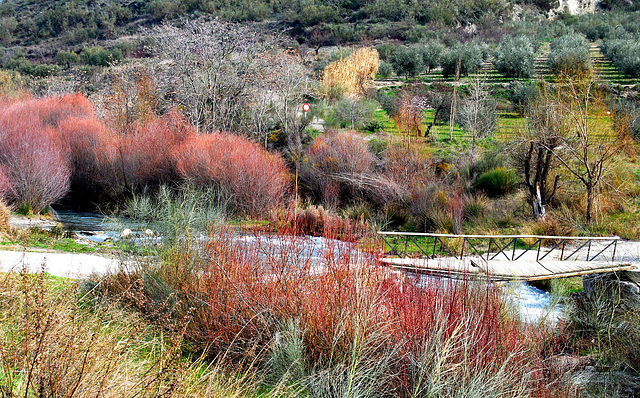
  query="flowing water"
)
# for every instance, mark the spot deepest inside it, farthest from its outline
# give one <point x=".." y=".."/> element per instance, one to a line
<point x="97" y="227"/>
<point x="533" y="304"/>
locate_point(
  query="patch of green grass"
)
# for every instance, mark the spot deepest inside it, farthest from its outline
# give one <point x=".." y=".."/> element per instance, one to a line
<point x="47" y="240"/>
<point x="388" y="125"/>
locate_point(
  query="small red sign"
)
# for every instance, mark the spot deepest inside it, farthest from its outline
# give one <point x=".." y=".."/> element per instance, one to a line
<point x="306" y="107"/>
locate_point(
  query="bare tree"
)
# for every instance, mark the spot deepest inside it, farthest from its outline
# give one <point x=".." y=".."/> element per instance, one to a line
<point x="211" y="65"/>
<point x="289" y="84"/>
<point x="534" y="156"/>
<point x="477" y="114"/>
<point x="572" y="123"/>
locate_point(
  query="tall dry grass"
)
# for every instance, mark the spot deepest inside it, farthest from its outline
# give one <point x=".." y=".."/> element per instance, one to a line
<point x="57" y="342"/>
<point x="5" y="214"/>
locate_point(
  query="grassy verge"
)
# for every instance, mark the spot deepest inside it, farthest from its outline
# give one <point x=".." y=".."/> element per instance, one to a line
<point x="57" y="341"/>
<point x="44" y="240"/>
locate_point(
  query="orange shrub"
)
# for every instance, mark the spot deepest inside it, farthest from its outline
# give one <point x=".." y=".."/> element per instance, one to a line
<point x="146" y="154"/>
<point x="338" y="167"/>
<point x="255" y="180"/>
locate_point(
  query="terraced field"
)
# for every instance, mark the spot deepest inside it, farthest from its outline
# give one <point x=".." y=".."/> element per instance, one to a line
<point x="606" y="70"/>
<point x="508" y="122"/>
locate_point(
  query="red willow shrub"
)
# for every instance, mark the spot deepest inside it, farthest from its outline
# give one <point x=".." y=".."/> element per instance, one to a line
<point x="348" y="312"/>
<point x="146" y="154"/>
<point x="88" y="146"/>
<point x="31" y="153"/>
<point x="254" y="180"/>
<point x="51" y="143"/>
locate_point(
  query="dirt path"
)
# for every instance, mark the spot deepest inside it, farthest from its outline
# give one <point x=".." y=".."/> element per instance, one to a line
<point x="71" y="265"/>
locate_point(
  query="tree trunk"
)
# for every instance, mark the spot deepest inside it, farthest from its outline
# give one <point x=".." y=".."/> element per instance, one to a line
<point x="589" y="203"/>
<point x="537" y="203"/>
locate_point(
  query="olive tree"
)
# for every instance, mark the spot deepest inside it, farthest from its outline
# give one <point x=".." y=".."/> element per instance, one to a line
<point x="431" y="54"/>
<point x="569" y="55"/>
<point x="467" y="56"/>
<point x="515" y="57"/>
<point x="406" y="61"/>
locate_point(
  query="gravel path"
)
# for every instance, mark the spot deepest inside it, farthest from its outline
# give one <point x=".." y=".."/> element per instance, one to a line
<point x="71" y="265"/>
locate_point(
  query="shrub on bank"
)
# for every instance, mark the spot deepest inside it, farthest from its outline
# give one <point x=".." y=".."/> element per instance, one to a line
<point x="255" y="180"/>
<point x="5" y="214"/>
<point x="148" y="151"/>
<point x="32" y="156"/>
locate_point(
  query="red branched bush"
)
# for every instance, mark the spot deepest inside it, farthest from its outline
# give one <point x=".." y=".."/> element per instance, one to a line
<point x="146" y="154"/>
<point x="87" y="144"/>
<point x="255" y="180"/>
<point x="52" y="110"/>
<point x="349" y="313"/>
<point x="338" y="167"/>
<point x="32" y="156"/>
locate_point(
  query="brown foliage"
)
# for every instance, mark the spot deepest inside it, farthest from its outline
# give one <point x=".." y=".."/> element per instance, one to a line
<point x="353" y="73"/>
<point x="5" y="213"/>
<point x="408" y="113"/>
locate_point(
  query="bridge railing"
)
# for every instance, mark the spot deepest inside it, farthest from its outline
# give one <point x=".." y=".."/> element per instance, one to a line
<point x="491" y="247"/>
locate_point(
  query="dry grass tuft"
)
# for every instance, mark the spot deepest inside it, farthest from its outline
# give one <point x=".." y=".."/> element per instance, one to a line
<point x="54" y="341"/>
<point x="5" y="214"/>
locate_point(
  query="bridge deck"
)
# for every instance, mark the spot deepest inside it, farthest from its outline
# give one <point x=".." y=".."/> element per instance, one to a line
<point x="523" y="269"/>
<point x="501" y="257"/>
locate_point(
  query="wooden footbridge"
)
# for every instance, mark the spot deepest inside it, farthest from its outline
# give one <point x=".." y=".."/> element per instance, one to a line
<point x="503" y="257"/>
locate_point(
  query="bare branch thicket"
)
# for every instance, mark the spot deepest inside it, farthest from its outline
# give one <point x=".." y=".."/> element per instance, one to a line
<point x="570" y="125"/>
<point x="211" y="66"/>
<point x="289" y="83"/>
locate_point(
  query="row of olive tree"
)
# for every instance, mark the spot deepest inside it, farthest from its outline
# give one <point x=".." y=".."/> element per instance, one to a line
<point x="412" y="61"/>
<point x="622" y="48"/>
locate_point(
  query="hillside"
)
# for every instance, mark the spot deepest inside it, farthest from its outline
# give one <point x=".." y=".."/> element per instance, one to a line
<point x="43" y="27"/>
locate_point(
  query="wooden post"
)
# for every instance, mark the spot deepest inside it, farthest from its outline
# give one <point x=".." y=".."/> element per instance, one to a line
<point x="454" y="100"/>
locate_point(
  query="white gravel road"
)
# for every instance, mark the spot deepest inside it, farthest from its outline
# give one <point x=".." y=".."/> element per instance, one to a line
<point x="71" y="265"/>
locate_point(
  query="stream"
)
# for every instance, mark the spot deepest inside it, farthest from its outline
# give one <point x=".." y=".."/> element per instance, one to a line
<point x="533" y="304"/>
